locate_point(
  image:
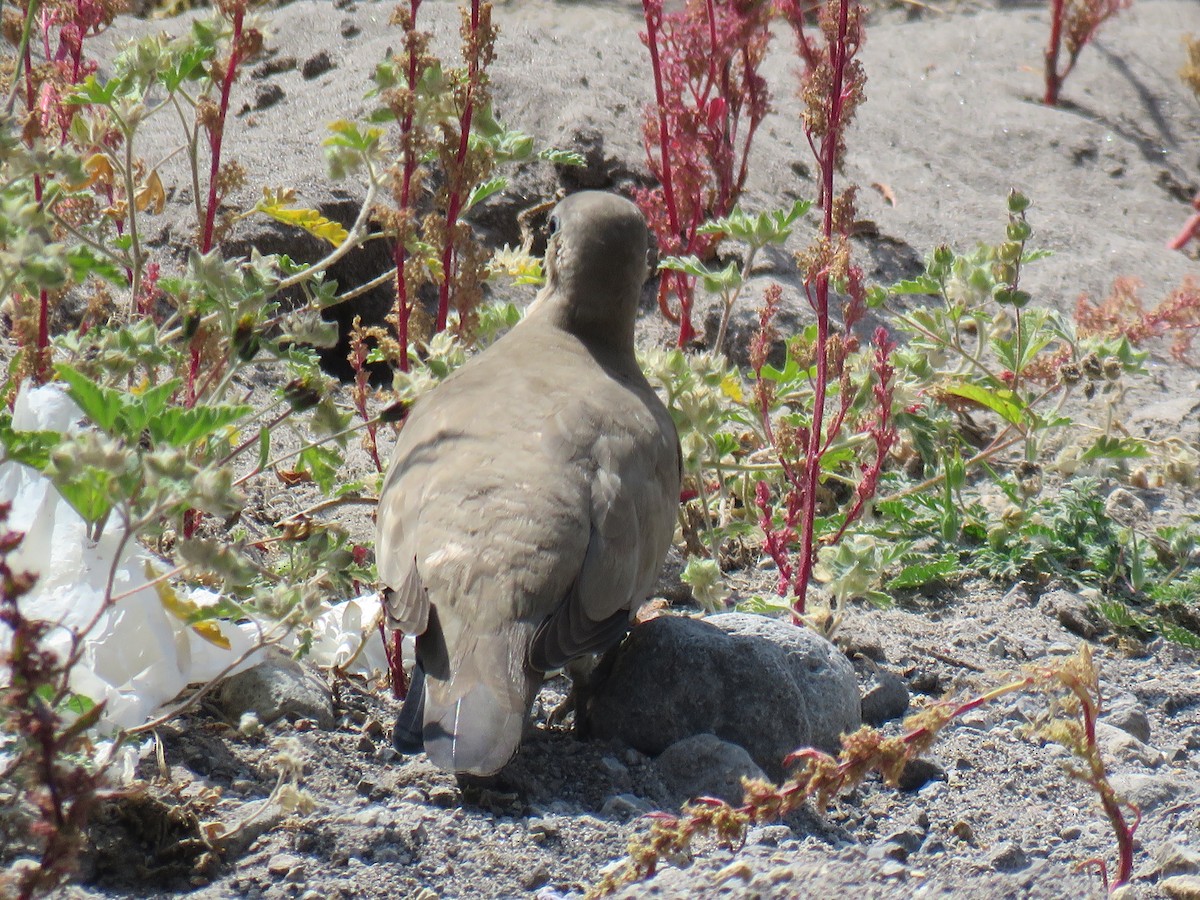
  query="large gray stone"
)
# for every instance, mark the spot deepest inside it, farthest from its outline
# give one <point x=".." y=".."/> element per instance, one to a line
<point x="761" y="683"/>
<point x="278" y="686"/>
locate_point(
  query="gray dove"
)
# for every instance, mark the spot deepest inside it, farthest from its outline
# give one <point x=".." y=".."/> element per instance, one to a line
<point x="531" y="498"/>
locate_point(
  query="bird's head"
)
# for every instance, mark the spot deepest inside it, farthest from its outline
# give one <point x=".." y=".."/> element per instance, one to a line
<point x="596" y="264"/>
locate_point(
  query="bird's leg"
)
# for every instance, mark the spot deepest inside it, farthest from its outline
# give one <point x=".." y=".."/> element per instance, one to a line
<point x="587" y="673"/>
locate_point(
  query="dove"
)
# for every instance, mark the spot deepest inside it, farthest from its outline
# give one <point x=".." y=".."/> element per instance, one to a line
<point x="530" y="500"/>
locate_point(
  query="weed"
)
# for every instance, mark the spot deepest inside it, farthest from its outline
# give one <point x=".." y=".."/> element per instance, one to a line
<point x="42" y="734"/>
<point x="1073" y="23"/>
<point x="709" y="102"/>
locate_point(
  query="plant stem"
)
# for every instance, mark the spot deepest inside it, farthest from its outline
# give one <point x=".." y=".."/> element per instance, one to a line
<point x="1053" y="79"/>
<point x="819" y="298"/>
<point x="400" y="251"/>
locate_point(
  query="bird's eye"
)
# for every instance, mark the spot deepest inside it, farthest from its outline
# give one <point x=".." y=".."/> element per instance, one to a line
<point x="552" y="226"/>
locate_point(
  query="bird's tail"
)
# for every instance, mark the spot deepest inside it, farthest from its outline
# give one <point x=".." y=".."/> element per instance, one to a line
<point x="474" y="720"/>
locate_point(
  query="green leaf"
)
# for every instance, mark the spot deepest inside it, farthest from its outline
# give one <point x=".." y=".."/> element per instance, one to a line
<point x="31" y="448"/>
<point x="92" y="91"/>
<point x="1108" y="447"/>
<point x="922" y="284"/>
<point x="771" y="227"/>
<point x="85" y="262"/>
<point x="562" y="157"/>
<point x="101" y="405"/>
<point x="264" y="447"/>
<point x="180" y="427"/>
<point x="322" y="465"/>
<point x="1003" y="402"/>
<point x="486" y="189"/>
<point x="921" y="574"/>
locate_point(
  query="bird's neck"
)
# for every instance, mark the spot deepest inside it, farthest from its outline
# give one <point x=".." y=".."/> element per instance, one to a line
<point x="605" y="335"/>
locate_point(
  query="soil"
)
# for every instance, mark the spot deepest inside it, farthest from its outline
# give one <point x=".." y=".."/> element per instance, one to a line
<point x="950" y="124"/>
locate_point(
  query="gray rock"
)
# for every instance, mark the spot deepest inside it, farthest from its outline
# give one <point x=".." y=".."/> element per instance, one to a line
<point x="1148" y="792"/>
<point x="1176" y="859"/>
<point x="276" y="687"/>
<point x="758" y="682"/>
<point x="1073" y="613"/>
<point x="1130" y="716"/>
<point x="1122" y="745"/>
<point x="1181" y="887"/>
<point x="704" y="765"/>
<point x="887" y="699"/>
<point x="1007" y="857"/>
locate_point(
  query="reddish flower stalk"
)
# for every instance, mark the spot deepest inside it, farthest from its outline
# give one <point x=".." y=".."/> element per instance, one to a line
<point x="1075" y="22"/>
<point x="74" y="24"/>
<point x="236" y="10"/>
<point x="1190" y="230"/>
<point x="361" y="390"/>
<point x="457" y="188"/>
<point x="404" y="304"/>
<point x="882" y="430"/>
<point x="216" y="131"/>
<point x="710" y="101"/>
<point x="832" y="90"/>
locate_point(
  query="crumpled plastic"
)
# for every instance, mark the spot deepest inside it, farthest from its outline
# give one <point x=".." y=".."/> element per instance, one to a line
<point x="138" y="656"/>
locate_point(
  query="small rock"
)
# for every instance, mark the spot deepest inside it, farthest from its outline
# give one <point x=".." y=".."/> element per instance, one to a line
<point x="1007" y="857"/>
<point x="919" y="772"/>
<point x="769" y="835"/>
<point x="898" y="845"/>
<point x="886" y="700"/>
<point x="1148" y="792"/>
<point x="1176" y="859"/>
<point x="1070" y="832"/>
<point x="365" y="744"/>
<point x="278" y="686"/>
<point x="537" y="877"/>
<point x="625" y="806"/>
<point x="444" y="796"/>
<point x="1122" y="745"/>
<point x="1073" y="613"/>
<point x="282" y="863"/>
<point x="544" y="828"/>
<point x="705" y="765"/>
<point x="317" y="64"/>
<point x="267" y="96"/>
<point x="1181" y="887"/>
<point x="350" y="29"/>
<point x="1130" y="716"/>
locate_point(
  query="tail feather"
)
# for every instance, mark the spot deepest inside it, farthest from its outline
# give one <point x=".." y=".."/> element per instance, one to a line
<point x="475" y="719"/>
<point x="407" y="734"/>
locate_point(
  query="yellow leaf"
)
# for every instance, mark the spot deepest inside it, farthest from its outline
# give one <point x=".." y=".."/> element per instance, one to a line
<point x="186" y="610"/>
<point x="98" y="169"/>
<point x="275" y="205"/>
<point x="731" y="387"/>
<point x="151" y="194"/>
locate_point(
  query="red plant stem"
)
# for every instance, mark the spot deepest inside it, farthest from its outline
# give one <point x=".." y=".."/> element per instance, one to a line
<point x="217" y="132"/>
<point x="454" y="205"/>
<point x="653" y="21"/>
<point x="399" y="251"/>
<point x="1053" y="80"/>
<point x="812" y="460"/>
<point x="40" y="368"/>
<point x="1190" y="230"/>
<point x="215" y="136"/>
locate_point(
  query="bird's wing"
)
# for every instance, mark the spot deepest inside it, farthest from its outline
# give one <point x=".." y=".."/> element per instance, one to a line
<point x="634" y="495"/>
